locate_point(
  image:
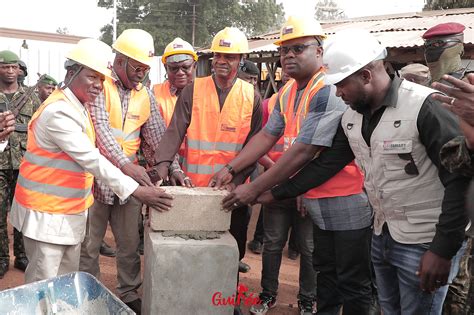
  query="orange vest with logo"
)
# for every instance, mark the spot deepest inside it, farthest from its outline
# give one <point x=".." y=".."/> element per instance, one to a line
<point x="215" y="136"/>
<point x="126" y="130"/>
<point x="349" y="180"/>
<point x="277" y="150"/>
<point x="167" y="102"/>
<point x="53" y="182"/>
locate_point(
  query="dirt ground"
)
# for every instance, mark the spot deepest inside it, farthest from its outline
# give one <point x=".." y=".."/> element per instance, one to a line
<point x="286" y="304"/>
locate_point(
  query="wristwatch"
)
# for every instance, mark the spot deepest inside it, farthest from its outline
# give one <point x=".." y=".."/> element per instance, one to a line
<point x="230" y="169"/>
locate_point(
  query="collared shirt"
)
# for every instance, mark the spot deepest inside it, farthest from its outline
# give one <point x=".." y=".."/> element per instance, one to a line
<point x="436" y="126"/>
<point x="182" y="118"/>
<point x="151" y="132"/>
<point x="319" y="127"/>
<point x="61" y="127"/>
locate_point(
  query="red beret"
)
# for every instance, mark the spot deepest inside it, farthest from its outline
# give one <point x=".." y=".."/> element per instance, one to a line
<point x="444" y="29"/>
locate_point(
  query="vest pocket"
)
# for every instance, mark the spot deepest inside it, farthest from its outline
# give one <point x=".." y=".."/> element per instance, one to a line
<point x="396" y="168"/>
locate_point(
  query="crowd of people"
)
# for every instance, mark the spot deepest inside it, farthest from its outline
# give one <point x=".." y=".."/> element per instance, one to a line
<point x="370" y="171"/>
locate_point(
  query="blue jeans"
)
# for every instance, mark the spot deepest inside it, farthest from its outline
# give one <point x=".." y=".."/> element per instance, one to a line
<point x="277" y="220"/>
<point x="398" y="286"/>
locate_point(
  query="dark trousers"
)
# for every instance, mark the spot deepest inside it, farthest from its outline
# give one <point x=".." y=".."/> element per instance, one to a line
<point x="7" y="190"/>
<point x="259" y="232"/>
<point x="239" y="223"/>
<point x="342" y="261"/>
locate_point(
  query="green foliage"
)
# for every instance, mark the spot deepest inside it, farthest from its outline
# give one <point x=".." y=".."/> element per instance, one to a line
<point x="447" y="4"/>
<point x="167" y="19"/>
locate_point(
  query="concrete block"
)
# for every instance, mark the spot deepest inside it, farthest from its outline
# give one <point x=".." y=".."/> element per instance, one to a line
<point x="182" y="276"/>
<point x="196" y="209"/>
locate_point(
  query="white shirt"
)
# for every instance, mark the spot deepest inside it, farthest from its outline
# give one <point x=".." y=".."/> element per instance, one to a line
<point x="62" y="127"/>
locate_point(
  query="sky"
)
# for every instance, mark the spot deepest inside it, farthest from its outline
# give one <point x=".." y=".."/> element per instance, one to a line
<point x="84" y="18"/>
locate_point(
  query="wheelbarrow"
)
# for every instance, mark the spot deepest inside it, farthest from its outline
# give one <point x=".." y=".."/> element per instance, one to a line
<point x="69" y="294"/>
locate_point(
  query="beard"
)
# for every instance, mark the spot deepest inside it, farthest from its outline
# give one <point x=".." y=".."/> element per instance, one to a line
<point x="361" y="105"/>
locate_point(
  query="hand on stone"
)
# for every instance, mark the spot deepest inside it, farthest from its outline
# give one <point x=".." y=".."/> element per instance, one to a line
<point x="178" y="178"/>
<point x="155" y="197"/>
<point x="242" y="195"/>
<point x="220" y="179"/>
<point x="138" y="173"/>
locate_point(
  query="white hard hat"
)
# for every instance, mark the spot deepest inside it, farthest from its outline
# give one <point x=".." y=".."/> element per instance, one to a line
<point x="349" y="51"/>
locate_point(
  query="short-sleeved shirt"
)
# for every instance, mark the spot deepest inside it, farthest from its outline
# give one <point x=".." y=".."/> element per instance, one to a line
<point x="319" y="127"/>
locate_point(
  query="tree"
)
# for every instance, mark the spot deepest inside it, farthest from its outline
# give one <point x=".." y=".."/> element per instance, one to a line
<point x="167" y="19"/>
<point x="328" y="10"/>
<point x="447" y="4"/>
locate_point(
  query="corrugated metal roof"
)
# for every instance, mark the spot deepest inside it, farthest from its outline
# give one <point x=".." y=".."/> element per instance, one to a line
<point x="393" y="31"/>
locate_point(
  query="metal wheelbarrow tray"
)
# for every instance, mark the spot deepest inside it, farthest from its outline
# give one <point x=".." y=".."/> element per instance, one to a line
<point x="69" y="294"/>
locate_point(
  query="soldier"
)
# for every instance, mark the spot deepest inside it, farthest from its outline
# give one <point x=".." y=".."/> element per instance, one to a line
<point x="10" y="93"/>
<point x="46" y="86"/>
<point x="23" y="73"/>
<point x="444" y="46"/>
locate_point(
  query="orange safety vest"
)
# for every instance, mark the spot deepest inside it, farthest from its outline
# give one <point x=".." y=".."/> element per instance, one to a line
<point x="167" y="103"/>
<point x="277" y="150"/>
<point x="53" y="182"/>
<point x="349" y="180"/>
<point x="166" y="100"/>
<point x="215" y="136"/>
<point x="126" y="130"/>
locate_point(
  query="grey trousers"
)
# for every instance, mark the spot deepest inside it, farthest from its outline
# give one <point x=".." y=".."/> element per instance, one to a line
<point x="124" y="220"/>
<point x="48" y="260"/>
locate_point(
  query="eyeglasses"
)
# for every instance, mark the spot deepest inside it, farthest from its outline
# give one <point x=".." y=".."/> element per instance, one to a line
<point x="296" y="49"/>
<point x="138" y="69"/>
<point x="184" y="67"/>
<point x="437" y="43"/>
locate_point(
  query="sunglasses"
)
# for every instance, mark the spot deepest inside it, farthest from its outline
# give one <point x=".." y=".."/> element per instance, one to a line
<point x="184" y="68"/>
<point x="296" y="49"/>
<point x="436" y="43"/>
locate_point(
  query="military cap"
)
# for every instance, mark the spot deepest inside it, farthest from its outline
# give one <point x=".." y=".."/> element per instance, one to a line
<point x="416" y="69"/>
<point x="23" y="67"/>
<point x="8" y="56"/>
<point x="444" y="29"/>
<point x="46" y="79"/>
<point x="249" y="67"/>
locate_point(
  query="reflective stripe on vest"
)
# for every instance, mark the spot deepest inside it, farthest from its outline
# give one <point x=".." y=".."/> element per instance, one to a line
<point x="126" y="130"/>
<point x="215" y="137"/>
<point x="53" y="182"/>
<point x="277" y="150"/>
<point x="349" y="180"/>
<point x="166" y="103"/>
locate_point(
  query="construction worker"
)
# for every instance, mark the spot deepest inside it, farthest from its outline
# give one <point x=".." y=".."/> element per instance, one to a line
<point x="179" y="60"/>
<point x="13" y="95"/>
<point x="218" y="115"/>
<point x="22" y="73"/>
<point x="303" y="122"/>
<point x="124" y="113"/>
<point x="444" y="47"/>
<point x="46" y="85"/>
<point x="395" y="129"/>
<point x="54" y="188"/>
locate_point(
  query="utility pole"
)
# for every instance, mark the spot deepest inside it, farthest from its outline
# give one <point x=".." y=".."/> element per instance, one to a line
<point x="193" y="4"/>
<point x="115" y="21"/>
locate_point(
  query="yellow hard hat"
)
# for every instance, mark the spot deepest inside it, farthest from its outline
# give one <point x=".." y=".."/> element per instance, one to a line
<point x="136" y="44"/>
<point x="230" y="40"/>
<point x="178" y="46"/>
<point x="93" y="54"/>
<point x="296" y="27"/>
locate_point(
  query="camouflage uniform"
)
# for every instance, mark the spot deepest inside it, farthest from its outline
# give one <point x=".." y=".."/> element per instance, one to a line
<point x="9" y="164"/>
<point x="455" y="157"/>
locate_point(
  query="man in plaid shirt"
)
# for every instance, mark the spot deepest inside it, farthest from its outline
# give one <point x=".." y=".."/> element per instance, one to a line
<point x="125" y="117"/>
